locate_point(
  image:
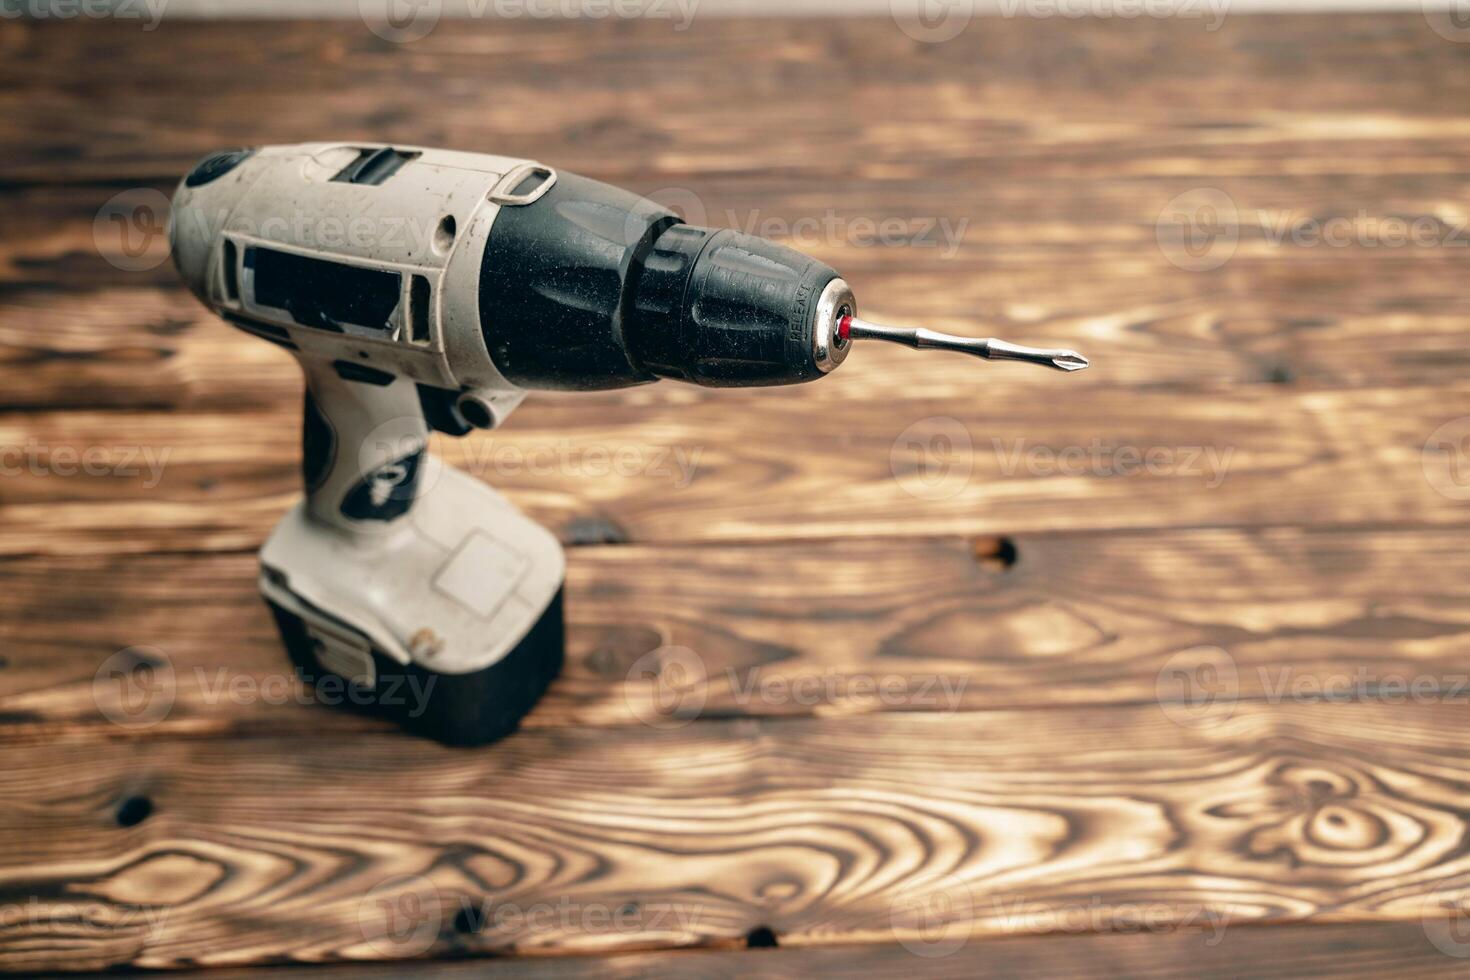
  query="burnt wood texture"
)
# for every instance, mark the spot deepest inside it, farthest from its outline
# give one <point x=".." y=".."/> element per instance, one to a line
<point x="928" y="668"/>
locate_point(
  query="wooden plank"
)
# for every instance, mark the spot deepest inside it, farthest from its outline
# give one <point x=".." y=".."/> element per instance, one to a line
<point x="817" y="97"/>
<point x="1042" y="256"/>
<point x="1358" y="325"/>
<point x="917" y="828"/>
<point x="1363" y="949"/>
<point x="173" y="845"/>
<point x="1048" y="458"/>
<point x="133" y="348"/>
<point x="973" y="222"/>
<point x="1073" y="263"/>
<point x="819" y="629"/>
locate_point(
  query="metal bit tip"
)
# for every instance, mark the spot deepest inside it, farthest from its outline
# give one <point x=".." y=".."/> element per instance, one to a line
<point x="1062" y="360"/>
<point x="988" y="347"/>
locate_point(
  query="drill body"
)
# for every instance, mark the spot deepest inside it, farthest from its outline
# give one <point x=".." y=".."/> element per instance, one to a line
<point x="428" y="290"/>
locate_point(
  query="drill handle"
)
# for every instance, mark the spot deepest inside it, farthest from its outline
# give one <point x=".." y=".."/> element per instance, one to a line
<point x="364" y="446"/>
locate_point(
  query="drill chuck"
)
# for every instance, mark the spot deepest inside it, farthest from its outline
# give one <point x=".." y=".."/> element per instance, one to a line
<point x="594" y="287"/>
<point x="724" y="309"/>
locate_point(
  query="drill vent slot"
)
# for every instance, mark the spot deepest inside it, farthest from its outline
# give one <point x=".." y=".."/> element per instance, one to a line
<point x="231" y="262"/>
<point x="324" y="294"/>
<point x="420" y="299"/>
<point x="374" y="166"/>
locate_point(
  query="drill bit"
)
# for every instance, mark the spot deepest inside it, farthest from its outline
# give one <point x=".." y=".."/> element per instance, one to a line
<point x="989" y="348"/>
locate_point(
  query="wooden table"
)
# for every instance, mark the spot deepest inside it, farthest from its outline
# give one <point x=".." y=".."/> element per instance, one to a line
<point x="1160" y="667"/>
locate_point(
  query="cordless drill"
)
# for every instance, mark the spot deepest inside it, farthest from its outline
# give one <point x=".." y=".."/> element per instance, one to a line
<point x="428" y="289"/>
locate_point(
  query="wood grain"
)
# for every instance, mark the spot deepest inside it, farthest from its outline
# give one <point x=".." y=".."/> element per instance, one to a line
<point x="81" y="347"/>
<point x="1362" y="949"/>
<point x="713" y="468"/>
<point x="803" y="629"/>
<point x="1076" y="263"/>
<point x="1207" y="705"/>
<point x="919" y="828"/>
<point x="1056" y="175"/>
<point x="802" y="97"/>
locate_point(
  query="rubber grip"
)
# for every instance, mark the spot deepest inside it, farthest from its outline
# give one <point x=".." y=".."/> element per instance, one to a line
<point x="364" y="446"/>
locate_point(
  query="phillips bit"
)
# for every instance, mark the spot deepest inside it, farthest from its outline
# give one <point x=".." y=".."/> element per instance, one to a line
<point x="989" y="348"/>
